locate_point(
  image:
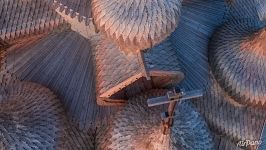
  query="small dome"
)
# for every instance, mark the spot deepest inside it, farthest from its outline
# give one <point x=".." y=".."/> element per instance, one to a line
<point x="136" y="24"/>
<point x="31" y="117"/>
<point x="238" y="59"/>
<point x="139" y="127"/>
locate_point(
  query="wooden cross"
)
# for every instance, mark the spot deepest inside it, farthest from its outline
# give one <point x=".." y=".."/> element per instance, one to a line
<point x="172" y="97"/>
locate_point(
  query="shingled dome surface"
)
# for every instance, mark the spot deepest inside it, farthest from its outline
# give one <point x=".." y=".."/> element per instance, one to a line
<point x="238" y="59"/>
<point x="136" y="24"/>
<point x="26" y="17"/>
<point x="117" y="52"/>
<point x="31" y="117"/>
<point x="94" y="138"/>
<point x="235" y="122"/>
<point x="64" y="63"/>
<point x="226" y="118"/>
<point x="139" y="127"/>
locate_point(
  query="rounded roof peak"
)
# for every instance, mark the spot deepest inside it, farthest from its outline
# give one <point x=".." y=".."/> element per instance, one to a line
<point x="136" y="24"/>
<point x="30" y="117"/>
<point x="237" y="56"/>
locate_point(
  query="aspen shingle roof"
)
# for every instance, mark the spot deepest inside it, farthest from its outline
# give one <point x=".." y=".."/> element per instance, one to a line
<point x="238" y="60"/>
<point x="117" y="73"/>
<point x="191" y="40"/>
<point x="136" y="24"/>
<point x="138" y="127"/>
<point x="64" y="63"/>
<point x="31" y="117"/>
<point x="20" y="18"/>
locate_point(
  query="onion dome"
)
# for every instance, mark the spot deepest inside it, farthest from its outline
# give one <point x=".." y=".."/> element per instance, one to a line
<point x="63" y="62"/>
<point x="31" y="117"/>
<point x="21" y="18"/>
<point x="119" y="77"/>
<point x="136" y="24"/>
<point x="138" y="127"/>
<point x="238" y="60"/>
<point x="191" y="38"/>
<point x="234" y="122"/>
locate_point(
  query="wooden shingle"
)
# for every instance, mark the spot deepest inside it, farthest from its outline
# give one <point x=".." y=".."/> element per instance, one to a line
<point x="119" y="76"/>
<point x="136" y="25"/>
<point x="138" y="127"/>
<point x="191" y="40"/>
<point x="31" y="117"/>
<point x="63" y="62"/>
<point x="79" y="22"/>
<point x="22" y="18"/>
<point x="238" y="60"/>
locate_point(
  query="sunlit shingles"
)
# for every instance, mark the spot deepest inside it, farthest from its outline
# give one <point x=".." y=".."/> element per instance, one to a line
<point x="191" y="43"/>
<point x="234" y="122"/>
<point x="20" y="18"/>
<point x="63" y="62"/>
<point x="235" y="57"/>
<point x="142" y="130"/>
<point x="31" y="116"/>
<point x="136" y="25"/>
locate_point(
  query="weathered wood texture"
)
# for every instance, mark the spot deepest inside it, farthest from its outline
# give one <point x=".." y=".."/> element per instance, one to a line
<point x="222" y="143"/>
<point x="191" y="40"/>
<point x="261" y="9"/>
<point x="252" y="9"/>
<point x="235" y="122"/>
<point x="138" y="127"/>
<point x="262" y="146"/>
<point x="5" y="77"/>
<point x="26" y="17"/>
<point x="117" y="74"/>
<point x="31" y="117"/>
<point x="94" y="138"/>
<point x="136" y="24"/>
<point x="64" y="63"/>
<point x="197" y="23"/>
<point x="82" y="7"/>
<point x="79" y="23"/>
<point x="3" y="44"/>
<point x="237" y="55"/>
<point x="6" y="73"/>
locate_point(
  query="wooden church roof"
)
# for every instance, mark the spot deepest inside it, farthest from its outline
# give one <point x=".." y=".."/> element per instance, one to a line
<point x="31" y="117"/>
<point x="26" y="17"/>
<point x="63" y="62"/>
<point x="230" y="121"/>
<point x="238" y="59"/>
<point x="117" y="74"/>
<point x="81" y="71"/>
<point x="135" y="24"/>
<point x="138" y="127"/>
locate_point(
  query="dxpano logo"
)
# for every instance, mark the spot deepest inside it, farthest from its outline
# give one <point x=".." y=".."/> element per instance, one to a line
<point x="247" y="143"/>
